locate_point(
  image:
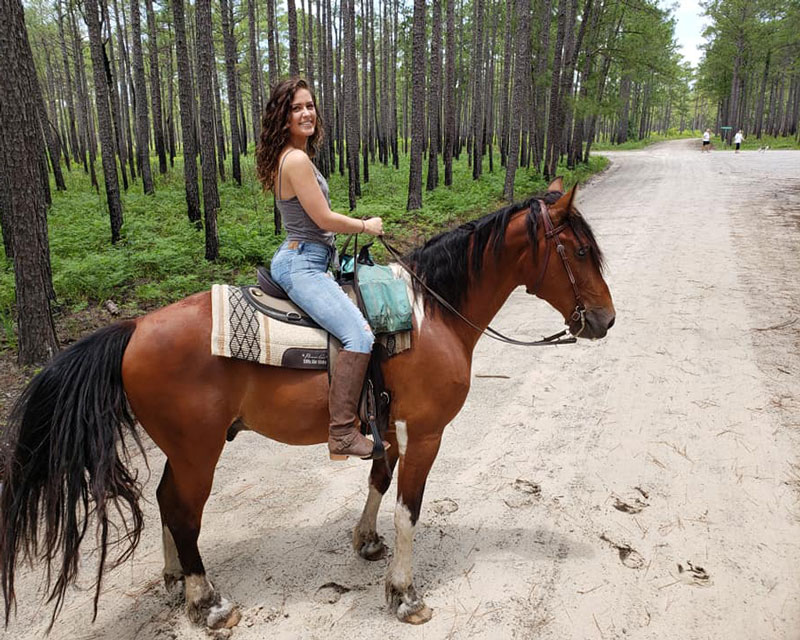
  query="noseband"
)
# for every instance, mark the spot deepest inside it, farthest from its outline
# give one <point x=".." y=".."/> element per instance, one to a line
<point x="554" y="234"/>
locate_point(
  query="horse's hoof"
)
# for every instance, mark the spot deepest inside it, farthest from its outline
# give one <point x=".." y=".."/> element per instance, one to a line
<point x="223" y="615"/>
<point x="215" y="613"/>
<point x="419" y="614"/>
<point x="369" y="547"/>
<point x="407" y="605"/>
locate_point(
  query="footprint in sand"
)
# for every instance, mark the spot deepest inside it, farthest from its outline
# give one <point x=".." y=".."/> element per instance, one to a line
<point x="633" y="503"/>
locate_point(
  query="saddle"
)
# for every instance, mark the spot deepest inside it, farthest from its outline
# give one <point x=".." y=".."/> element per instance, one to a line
<point x="270" y="301"/>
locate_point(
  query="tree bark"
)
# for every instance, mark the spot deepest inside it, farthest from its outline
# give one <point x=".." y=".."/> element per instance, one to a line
<point x="140" y="102"/>
<point x="73" y="135"/>
<point x="417" y="106"/>
<point x="294" y="64"/>
<point x="155" y="87"/>
<point x="350" y="93"/>
<point x="186" y="101"/>
<point x="255" y="71"/>
<point x="272" y="44"/>
<point x="521" y="71"/>
<point x="477" y="93"/>
<point x="553" y="133"/>
<point x="104" y="118"/>
<point x="435" y="97"/>
<point x="205" y="85"/>
<point x="219" y="126"/>
<point x="111" y="77"/>
<point x="230" y="75"/>
<point x="26" y="218"/>
<point x="125" y="75"/>
<point x="504" y="86"/>
<point x="449" y="94"/>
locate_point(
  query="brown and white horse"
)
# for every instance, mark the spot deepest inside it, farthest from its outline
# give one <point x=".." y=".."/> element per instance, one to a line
<point x="64" y="459"/>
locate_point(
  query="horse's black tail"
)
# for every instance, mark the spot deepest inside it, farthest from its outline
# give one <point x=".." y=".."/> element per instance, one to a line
<point x="63" y="458"/>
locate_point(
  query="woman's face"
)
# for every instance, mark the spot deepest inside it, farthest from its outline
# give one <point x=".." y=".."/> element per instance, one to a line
<point x="302" y="115"/>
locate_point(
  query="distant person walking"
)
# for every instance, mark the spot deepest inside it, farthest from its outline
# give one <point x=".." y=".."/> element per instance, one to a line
<point x="706" y="141"/>
<point x="738" y="139"/>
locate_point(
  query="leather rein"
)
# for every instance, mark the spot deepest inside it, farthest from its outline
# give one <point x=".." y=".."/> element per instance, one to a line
<point x="551" y="233"/>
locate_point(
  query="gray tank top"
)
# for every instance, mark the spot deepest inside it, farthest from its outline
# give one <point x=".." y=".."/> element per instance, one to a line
<point x="299" y="225"/>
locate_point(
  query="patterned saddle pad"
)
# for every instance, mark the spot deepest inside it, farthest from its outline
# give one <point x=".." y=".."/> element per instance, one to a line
<point x="248" y="324"/>
<point x="240" y="330"/>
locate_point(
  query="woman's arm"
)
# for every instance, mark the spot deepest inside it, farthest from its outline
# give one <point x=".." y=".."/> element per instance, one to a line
<point x="297" y="168"/>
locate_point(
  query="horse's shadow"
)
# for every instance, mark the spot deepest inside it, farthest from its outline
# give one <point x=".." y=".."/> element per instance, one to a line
<point x="275" y="566"/>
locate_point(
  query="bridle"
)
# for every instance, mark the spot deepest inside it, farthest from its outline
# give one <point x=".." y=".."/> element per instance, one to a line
<point x="554" y="234"/>
<point x="551" y="232"/>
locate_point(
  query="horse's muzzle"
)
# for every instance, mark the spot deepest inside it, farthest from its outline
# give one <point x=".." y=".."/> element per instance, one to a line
<point x="596" y="323"/>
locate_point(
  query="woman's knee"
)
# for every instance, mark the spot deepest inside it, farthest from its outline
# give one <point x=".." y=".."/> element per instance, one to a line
<point x="362" y="341"/>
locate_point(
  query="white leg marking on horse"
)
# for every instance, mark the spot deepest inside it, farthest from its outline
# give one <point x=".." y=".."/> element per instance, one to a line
<point x="198" y="589"/>
<point x="172" y="565"/>
<point x="400" y="567"/>
<point x="366" y="541"/>
<point x="401" y="430"/>
<point x="202" y="601"/>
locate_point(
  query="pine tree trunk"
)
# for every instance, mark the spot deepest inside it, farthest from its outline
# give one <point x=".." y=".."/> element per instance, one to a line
<point x="477" y="93"/>
<point x="155" y="88"/>
<point x="350" y="93"/>
<point x="219" y="125"/>
<point x="187" y="108"/>
<point x="294" y="64"/>
<point x="504" y="87"/>
<point x="449" y="94"/>
<point x="230" y="75"/>
<point x="111" y="77"/>
<point x="205" y="85"/>
<point x="124" y="84"/>
<point x="435" y="97"/>
<point x="25" y="221"/>
<point x="73" y="135"/>
<point x="553" y="130"/>
<point x="140" y="102"/>
<point x="393" y="97"/>
<point x="417" y="106"/>
<point x="272" y="44"/>
<point x="521" y="71"/>
<point x="104" y="118"/>
<point x="255" y="71"/>
<point x="170" y="107"/>
<point x="540" y="85"/>
<point x="364" y="129"/>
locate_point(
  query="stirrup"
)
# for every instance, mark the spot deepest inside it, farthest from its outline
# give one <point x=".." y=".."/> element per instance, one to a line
<point x="379" y="449"/>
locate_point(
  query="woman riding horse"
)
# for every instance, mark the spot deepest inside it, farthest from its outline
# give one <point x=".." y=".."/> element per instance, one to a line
<point x="290" y="130"/>
<point x="64" y="456"/>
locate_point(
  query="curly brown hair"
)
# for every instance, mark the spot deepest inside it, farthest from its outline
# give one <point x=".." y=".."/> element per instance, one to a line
<point x="275" y="129"/>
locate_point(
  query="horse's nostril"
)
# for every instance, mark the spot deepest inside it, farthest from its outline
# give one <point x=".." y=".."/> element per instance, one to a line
<point x="611" y="322"/>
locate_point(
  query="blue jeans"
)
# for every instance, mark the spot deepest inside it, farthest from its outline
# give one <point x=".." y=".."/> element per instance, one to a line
<point x="302" y="271"/>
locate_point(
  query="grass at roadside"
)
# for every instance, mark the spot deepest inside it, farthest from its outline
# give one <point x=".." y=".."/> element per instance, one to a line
<point x="160" y="257"/>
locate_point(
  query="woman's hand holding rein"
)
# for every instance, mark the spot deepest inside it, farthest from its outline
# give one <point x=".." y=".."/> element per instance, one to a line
<point x="372" y="226"/>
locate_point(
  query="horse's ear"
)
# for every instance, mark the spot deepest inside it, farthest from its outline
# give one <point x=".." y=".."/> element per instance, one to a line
<point x="556" y="185"/>
<point x="561" y="207"/>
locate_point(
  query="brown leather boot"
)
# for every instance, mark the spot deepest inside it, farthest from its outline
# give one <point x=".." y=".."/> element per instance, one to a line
<point x="344" y="438"/>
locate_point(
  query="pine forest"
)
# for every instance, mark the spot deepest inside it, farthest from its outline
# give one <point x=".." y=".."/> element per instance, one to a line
<point x="128" y="127"/>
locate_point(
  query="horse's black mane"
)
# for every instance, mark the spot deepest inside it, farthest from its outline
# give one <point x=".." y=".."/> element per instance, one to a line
<point x="447" y="261"/>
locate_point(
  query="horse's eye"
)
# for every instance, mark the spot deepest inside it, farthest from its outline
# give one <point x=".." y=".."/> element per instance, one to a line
<point x="583" y="251"/>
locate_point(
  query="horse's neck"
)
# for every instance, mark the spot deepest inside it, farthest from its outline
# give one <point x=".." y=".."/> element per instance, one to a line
<point x="488" y="292"/>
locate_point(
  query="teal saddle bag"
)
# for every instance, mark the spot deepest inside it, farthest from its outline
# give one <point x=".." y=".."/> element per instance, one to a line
<point x="384" y="296"/>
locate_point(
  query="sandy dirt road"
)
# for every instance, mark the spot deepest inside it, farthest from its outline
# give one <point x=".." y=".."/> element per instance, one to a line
<point x="644" y="486"/>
